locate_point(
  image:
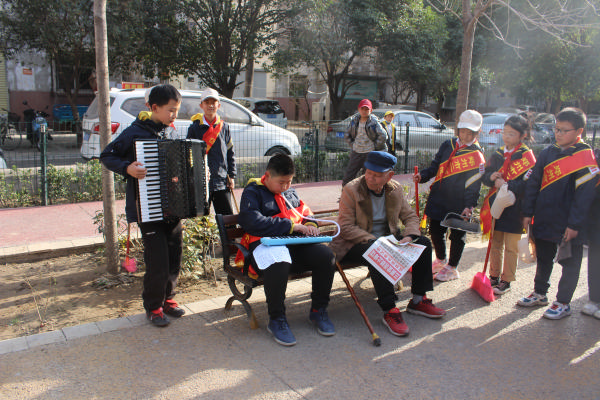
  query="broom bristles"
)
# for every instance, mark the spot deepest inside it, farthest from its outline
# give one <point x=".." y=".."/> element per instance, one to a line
<point x="482" y="285"/>
<point x="129" y="264"/>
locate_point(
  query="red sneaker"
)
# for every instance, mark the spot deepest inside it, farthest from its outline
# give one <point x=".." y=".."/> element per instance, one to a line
<point x="172" y="308"/>
<point x="393" y="320"/>
<point x="425" y="308"/>
<point x="157" y="317"/>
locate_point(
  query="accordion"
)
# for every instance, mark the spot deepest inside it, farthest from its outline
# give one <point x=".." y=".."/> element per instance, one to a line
<point x="176" y="184"/>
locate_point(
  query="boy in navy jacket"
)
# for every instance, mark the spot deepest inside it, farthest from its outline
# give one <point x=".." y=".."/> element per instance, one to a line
<point x="558" y="196"/>
<point x="162" y="239"/>
<point x="219" y="150"/>
<point x="270" y="207"/>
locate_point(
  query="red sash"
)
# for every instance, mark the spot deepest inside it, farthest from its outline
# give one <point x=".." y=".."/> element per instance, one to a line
<point x="565" y="166"/>
<point x="459" y="164"/>
<point x="210" y="136"/>
<point x="511" y="169"/>
<point x="247" y="239"/>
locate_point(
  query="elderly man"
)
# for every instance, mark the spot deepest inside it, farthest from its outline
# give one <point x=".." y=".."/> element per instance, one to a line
<point x="374" y="205"/>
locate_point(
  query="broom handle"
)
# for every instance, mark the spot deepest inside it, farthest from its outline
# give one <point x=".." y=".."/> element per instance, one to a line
<point x="234" y="201"/>
<point x="487" y="253"/>
<point x="128" y="240"/>
<point x="376" y="339"/>
<point x="417" y="193"/>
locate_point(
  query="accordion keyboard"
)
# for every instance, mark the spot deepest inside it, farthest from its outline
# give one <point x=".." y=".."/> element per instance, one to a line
<point x="149" y="187"/>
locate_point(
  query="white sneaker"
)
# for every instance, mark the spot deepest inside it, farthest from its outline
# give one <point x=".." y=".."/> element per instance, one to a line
<point x="534" y="299"/>
<point x="590" y="308"/>
<point x="447" y="273"/>
<point x="437" y="265"/>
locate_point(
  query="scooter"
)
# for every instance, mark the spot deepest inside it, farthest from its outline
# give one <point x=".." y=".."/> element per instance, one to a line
<point x="34" y="121"/>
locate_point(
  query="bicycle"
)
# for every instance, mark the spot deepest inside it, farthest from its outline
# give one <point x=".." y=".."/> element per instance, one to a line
<point x="308" y="141"/>
<point x="10" y="135"/>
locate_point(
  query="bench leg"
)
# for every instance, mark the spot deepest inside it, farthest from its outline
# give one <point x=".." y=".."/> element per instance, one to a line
<point x="242" y="298"/>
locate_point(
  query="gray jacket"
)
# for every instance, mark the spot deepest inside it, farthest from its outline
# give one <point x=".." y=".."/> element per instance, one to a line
<point x="374" y="130"/>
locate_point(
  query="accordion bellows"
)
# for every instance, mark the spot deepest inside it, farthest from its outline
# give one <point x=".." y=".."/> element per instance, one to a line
<point x="176" y="185"/>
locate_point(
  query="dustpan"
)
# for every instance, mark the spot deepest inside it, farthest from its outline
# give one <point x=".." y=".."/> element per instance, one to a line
<point x="457" y="221"/>
<point x="129" y="264"/>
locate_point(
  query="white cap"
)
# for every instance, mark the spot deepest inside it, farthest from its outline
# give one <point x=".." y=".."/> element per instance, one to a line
<point x="471" y="120"/>
<point x="147" y="94"/>
<point x="209" y="94"/>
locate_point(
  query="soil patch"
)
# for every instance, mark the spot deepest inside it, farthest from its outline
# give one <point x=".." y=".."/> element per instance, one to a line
<point x="66" y="291"/>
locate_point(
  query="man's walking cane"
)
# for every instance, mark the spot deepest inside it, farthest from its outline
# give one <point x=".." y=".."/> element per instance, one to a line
<point x="376" y="339"/>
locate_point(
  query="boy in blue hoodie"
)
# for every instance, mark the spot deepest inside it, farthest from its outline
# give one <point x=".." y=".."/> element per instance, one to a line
<point x="162" y="239"/>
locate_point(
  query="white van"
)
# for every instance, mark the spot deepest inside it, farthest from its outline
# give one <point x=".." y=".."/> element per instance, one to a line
<point x="252" y="137"/>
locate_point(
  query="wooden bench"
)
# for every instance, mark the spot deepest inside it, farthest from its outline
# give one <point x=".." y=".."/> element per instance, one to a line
<point x="230" y="234"/>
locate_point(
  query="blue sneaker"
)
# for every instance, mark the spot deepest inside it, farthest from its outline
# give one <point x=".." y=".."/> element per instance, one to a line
<point x="321" y="320"/>
<point x="281" y="332"/>
<point x="557" y="311"/>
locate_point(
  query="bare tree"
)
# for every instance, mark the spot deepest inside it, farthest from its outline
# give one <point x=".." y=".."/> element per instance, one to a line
<point x="554" y="17"/>
<point x="108" y="188"/>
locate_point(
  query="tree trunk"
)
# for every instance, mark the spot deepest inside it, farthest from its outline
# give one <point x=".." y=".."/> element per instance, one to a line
<point x="108" y="189"/>
<point x="462" y="97"/>
<point x="249" y="80"/>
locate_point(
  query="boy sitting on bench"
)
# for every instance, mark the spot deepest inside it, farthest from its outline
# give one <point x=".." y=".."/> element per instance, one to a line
<point x="270" y="207"/>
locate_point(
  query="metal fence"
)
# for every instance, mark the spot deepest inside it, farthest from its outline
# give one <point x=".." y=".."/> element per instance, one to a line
<point x="319" y="150"/>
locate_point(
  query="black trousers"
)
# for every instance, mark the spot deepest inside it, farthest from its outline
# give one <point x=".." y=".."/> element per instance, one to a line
<point x="457" y="242"/>
<point x="422" y="278"/>
<point x="221" y="201"/>
<point x="545" y="252"/>
<point x="162" y="255"/>
<point x="309" y="257"/>
<point x="355" y="164"/>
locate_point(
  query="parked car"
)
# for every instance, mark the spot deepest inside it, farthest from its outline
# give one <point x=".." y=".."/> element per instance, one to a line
<point x="542" y="130"/>
<point x="2" y="160"/>
<point x="593" y="121"/>
<point x="425" y="128"/>
<point x="491" y="129"/>
<point x="266" y="109"/>
<point x="425" y="132"/>
<point x="251" y="136"/>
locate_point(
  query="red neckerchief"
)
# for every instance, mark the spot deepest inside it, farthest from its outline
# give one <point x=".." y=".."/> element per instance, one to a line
<point x="456" y="149"/>
<point x="214" y="128"/>
<point x="507" y="158"/>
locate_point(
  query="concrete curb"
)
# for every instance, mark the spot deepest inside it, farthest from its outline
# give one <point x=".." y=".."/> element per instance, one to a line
<point x="43" y="250"/>
<point x="96" y="328"/>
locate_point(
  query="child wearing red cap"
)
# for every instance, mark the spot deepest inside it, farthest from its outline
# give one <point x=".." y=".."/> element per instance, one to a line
<point x="364" y="135"/>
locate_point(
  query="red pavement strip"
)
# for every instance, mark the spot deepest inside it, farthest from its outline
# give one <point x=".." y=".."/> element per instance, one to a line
<point x="31" y="225"/>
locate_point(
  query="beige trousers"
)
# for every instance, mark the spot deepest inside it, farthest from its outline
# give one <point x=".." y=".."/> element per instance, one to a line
<point x="508" y="242"/>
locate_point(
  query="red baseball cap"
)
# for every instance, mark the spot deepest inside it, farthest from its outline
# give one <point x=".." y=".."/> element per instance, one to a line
<point x="365" y="103"/>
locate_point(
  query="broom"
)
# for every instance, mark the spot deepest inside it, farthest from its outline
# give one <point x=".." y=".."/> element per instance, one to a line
<point x="129" y="264"/>
<point x="481" y="283"/>
<point x="417" y="193"/>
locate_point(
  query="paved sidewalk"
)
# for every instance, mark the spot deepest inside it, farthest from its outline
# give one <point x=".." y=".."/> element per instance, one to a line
<point x="38" y="232"/>
<point x="477" y="351"/>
